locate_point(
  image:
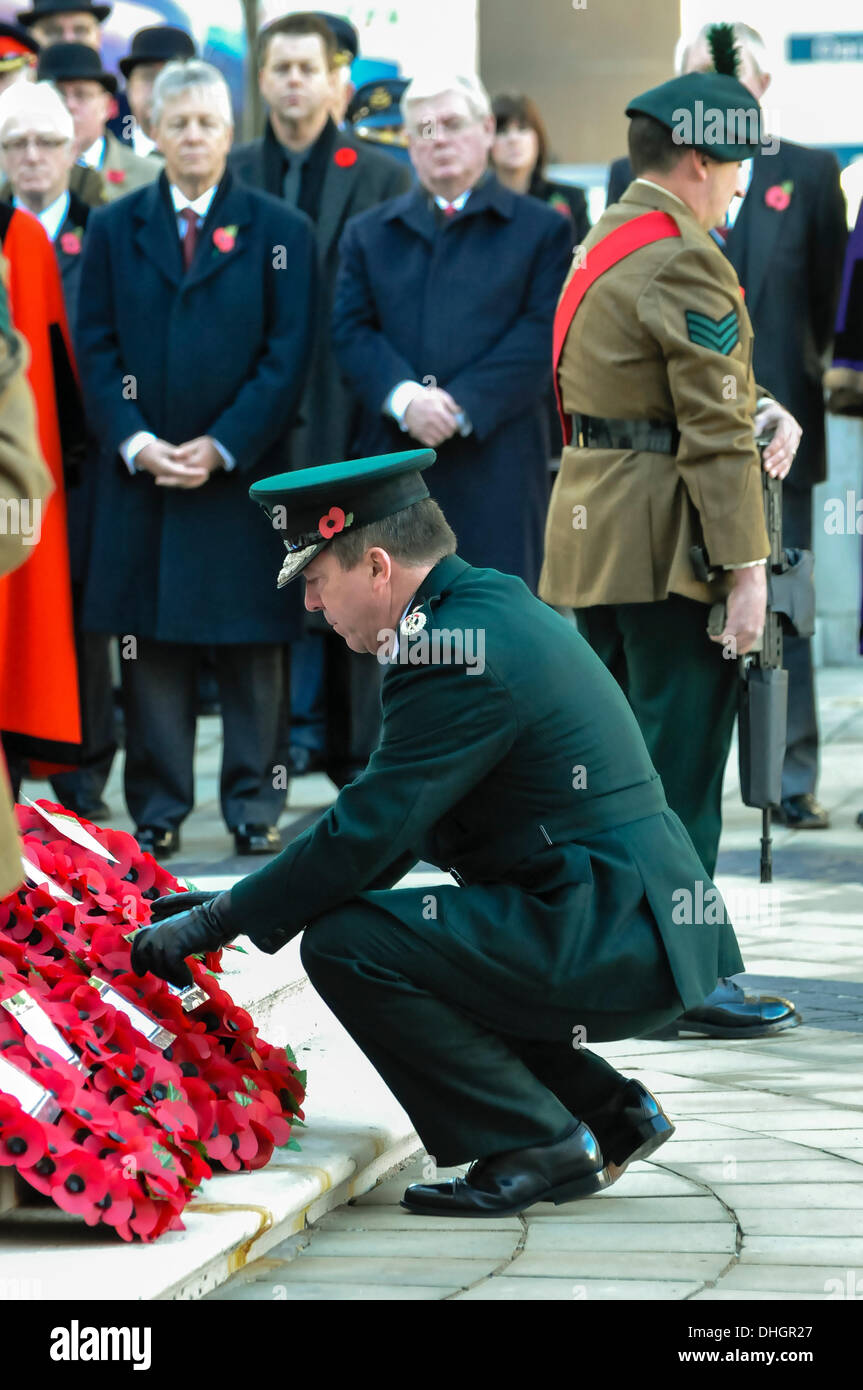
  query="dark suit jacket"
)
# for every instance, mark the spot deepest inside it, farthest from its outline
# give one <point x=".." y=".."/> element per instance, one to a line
<point x="329" y="407"/>
<point x="73" y="228"/>
<point x="469" y="304"/>
<point x="789" y="263"/>
<point x="566" y="891"/>
<point x="221" y="351"/>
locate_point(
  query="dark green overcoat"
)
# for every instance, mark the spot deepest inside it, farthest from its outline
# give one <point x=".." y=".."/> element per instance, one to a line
<point x="521" y="768"/>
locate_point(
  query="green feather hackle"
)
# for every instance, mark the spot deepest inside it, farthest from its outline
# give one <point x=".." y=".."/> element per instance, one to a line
<point x="723" y="49"/>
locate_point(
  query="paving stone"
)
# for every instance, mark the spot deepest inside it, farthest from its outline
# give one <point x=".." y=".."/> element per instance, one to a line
<point x="419" y="1244"/>
<point x="713" y="1104"/>
<point x="637" y="1235"/>
<point x="608" y="1207"/>
<point x="381" y="1218"/>
<point x="620" y="1265"/>
<point x="813" y="1118"/>
<point x="795" y="1250"/>
<point x="819" y="1168"/>
<point x="346" y="1269"/>
<point x="808" y="1279"/>
<point x="330" y="1293"/>
<point x="505" y="1288"/>
<point x="791" y="1221"/>
<point x="810" y="1196"/>
<point x="737" y="1144"/>
<point x="646" y="1184"/>
<point x="753" y="1296"/>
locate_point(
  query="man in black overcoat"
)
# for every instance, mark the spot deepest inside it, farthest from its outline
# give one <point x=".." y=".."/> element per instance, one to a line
<point x="305" y="159"/>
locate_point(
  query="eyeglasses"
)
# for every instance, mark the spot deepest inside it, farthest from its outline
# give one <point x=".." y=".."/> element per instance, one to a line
<point x="451" y="125"/>
<point x="43" y="143"/>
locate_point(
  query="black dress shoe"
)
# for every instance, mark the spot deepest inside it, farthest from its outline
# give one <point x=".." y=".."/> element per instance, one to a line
<point x="506" y="1183"/>
<point x="730" y="1013"/>
<point x="257" y="839"/>
<point x="630" y="1126"/>
<point x="860" y="819"/>
<point x="157" y="841"/>
<point x="802" y="812"/>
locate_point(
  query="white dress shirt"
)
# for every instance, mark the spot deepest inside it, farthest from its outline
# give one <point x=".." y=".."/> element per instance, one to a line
<point x="131" y="447"/>
<point x="52" y="217"/>
<point x="95" y="155"/>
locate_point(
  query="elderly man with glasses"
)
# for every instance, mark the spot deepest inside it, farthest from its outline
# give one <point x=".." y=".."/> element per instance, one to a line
<point x="443" y="323"/>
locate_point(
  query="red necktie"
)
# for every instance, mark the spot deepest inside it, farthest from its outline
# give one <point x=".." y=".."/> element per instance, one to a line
<point x="450" y="210"/>
<point x="190" y="240"/>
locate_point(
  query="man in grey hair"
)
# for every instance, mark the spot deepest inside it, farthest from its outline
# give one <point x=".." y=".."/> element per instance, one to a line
<point x="197" y="297"/>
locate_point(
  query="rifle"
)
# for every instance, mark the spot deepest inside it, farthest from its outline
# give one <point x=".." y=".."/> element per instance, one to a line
<point x="763" y="693"/>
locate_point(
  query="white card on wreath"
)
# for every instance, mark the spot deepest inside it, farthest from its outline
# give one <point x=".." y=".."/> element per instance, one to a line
<point x="72" y="829"/>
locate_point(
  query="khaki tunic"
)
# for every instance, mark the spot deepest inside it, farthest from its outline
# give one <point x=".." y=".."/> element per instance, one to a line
<point x="629" y="355"/>
<point x="24" y="479"/>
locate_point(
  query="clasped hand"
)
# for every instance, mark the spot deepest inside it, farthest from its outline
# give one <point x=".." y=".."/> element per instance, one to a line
<point x="183" y="465"/>
<point x="188" y="923"/>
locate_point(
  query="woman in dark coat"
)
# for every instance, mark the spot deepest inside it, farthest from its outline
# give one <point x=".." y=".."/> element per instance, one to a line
<point x="519" y="157"/>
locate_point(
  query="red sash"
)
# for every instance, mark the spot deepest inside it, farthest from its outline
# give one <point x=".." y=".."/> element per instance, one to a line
<point x="640" y="231"/>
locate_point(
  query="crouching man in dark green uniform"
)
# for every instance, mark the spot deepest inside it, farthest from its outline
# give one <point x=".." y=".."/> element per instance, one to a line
<point x="509" y="756"/>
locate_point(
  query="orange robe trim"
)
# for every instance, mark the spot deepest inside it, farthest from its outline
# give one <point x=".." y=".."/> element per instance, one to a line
<point x="39" y="684"/>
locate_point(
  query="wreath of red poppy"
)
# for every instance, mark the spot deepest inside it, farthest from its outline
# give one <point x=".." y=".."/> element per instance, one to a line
<point x="143" y="1090"/>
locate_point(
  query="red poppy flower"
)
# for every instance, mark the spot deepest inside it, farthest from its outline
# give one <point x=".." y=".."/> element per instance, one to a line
<point x="79" y="1183"/>
<point x="778" y="196"/>
<point x="22" y="1139"/>
<point x="71" y="244"/>
<point x="224" y="239"/>
<point x="345" y="157"/>
<point x="115" y="175"/>
<point x="332" y="523"/>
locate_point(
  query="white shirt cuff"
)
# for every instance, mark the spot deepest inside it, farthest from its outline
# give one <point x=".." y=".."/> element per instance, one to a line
<point x="400" y="398"/>
<point x="131" y="447"/>
<point x="229" y="460"/>
<point x="747" y="565"/>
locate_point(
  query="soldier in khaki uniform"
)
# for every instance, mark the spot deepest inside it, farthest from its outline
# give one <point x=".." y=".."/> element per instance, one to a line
<point x="655" y="382"/>
<point x="25" y="484"/>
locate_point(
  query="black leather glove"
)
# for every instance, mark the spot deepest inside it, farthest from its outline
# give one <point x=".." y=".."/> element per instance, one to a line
<point x="189" y="923"/>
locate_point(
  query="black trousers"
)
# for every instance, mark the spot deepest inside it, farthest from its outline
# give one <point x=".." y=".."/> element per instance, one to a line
<point x="337" y="710"/>
<point x="160" y="693"/>
<point x="800" y="768"/>
<point x="478" y="1074"/>
<point x="683" y="694"/>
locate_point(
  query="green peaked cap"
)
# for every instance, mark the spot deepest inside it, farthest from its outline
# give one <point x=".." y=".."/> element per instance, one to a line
<point x="707" y="111"/>
<point x="308" y="508"/>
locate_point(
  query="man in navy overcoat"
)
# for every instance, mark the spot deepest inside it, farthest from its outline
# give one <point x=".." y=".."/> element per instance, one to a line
<point x="194" y="327"/>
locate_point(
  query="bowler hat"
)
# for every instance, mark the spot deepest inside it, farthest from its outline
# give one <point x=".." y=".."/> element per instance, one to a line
<point x="43" y="9"/>
<point x="74" y="62"/>
<point x="162" y="43"/>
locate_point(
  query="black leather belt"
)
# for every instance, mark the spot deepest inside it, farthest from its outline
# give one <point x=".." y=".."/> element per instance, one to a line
<point x="641" y="436"/>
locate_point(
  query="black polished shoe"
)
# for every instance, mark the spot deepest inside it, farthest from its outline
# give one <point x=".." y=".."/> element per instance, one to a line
<point x="257" y="839"/>
<point x="507" y="1183"/>
<point x="860" y="819"/>
<point x="157" y="841"/>
<point x="802" y="812"/>
<point x="730" y="1013"/>
<point x="630" y="1126"/>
